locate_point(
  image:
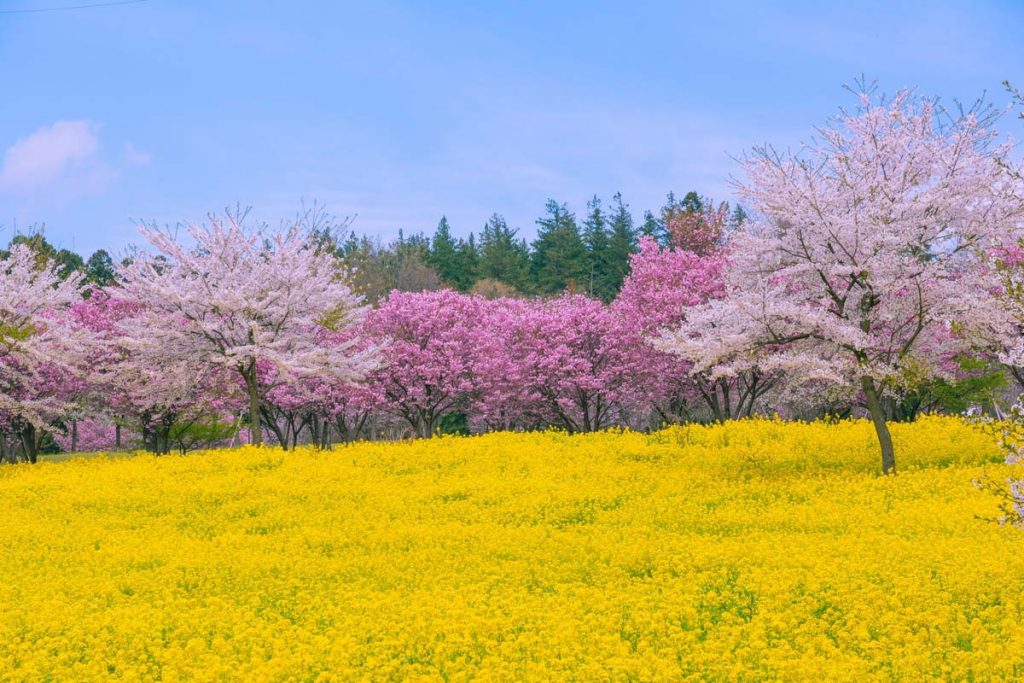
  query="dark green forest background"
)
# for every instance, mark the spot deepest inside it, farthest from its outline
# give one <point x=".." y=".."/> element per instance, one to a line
<point x="585" y="253"/>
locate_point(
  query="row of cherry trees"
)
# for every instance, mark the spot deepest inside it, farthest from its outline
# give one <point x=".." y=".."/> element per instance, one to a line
<point x="878" y="258"/>
<point x="245" y="324"/>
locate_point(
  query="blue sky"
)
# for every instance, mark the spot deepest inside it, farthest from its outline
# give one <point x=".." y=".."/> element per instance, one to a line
<point x="165" y="110"/>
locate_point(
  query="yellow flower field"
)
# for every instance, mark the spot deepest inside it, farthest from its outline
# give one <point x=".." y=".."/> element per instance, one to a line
<point x="760" y="550"/>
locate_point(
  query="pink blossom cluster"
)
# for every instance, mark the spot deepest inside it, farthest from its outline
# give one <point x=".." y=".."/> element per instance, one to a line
<point x="95" y="434"/>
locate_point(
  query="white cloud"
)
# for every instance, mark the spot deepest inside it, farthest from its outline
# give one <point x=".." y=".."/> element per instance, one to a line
<point x="49" y="155"/>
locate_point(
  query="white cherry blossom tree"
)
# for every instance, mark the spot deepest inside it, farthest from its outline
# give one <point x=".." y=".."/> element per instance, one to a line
<point x="252" y="302"/>
<point x="863" y="265"/>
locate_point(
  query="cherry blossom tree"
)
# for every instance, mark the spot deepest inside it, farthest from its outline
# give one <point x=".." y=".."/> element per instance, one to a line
<point x="663" y="284"/>
<point x="572" y="362"/>
<point x="436" y="344"/>
<point x="861" y="265"/>
<point x="42" y="352"/>
<point x="159" y="395"/>
<point x="699" y="232"/>
<point x="243" y="300"/>
<point x="506" y="400"/>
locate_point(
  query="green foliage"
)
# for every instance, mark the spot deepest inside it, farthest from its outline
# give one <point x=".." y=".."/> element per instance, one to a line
<point x="654" y="228"/>
<point x="502" y="256"/>
<point x="455" y="261"/>
<point x="443" y="256"/>
<point x="621" y="244"/>
<point x="66" y="261"/>
<point x="100" y="269"/>
<point x="454" y="423"/>
<point x="559" y="254"/>
<point x="201" y="432"/>
<point x="980" y="382"/>
<point x="597" y="239"/>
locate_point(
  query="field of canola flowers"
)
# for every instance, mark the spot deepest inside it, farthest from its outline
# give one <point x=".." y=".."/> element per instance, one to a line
<point x="759" y="550"/>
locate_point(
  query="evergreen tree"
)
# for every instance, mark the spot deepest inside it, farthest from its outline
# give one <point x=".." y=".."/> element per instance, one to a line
<point x="443" y="255"/>
<point x="416" y="244"/>
<point x="595" y="238"/>
<point x="467" y="258"/>
<point x="739" y="215"/>
<point x="653" y="227"/>
<point x="621" y="243"/>
<point x="693" y="202"/>
<point x="100" y="269"/>
<point x="559" y="255"/>
<point x="502" y="257"/>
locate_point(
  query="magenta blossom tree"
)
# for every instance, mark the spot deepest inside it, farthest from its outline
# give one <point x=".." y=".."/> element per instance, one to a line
<point x="241" y="299"/>
<point x="435" y="348"/>
<point x="575" y="363"/>
<point x="861" y="266"/>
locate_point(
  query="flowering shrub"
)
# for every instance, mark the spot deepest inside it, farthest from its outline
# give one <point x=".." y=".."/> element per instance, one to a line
<point x="755" y="550"/>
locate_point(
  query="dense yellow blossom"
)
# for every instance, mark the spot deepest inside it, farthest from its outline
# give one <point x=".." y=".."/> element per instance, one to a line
<point x="759" y="550"/>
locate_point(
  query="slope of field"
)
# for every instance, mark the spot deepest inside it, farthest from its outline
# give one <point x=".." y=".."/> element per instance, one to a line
<point x="757" y="550"/>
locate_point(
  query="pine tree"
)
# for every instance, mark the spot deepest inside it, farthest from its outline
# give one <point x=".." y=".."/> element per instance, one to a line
<point x="100" y="269"/>
<point x="621" y="243"/>
<point x="739" y="215"/>
<point x="693" y="202"/>
<point x="595" y="238"/>
<point x="559" y="255"/>
<point x="653" y="227"/>
<point x="443" y="256"/>
<point x="502" y="257"/>
<point x="467" y="261"/>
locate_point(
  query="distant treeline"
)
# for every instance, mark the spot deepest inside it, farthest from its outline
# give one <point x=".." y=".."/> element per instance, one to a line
<point x="585" y="254"/>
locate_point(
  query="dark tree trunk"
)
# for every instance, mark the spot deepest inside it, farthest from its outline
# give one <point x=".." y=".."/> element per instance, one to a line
<point x="74" y="436"/>
<point x="255" y="437"/>
<point x="881" y="428"/>
<point x="28" y="443"/>
<point x="273" y="424"/>
<point x="117" y="436"/>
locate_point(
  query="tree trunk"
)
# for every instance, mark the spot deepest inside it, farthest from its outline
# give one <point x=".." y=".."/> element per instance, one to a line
<point x="28" y="442"/>
<point x="255" y="437"/>
<point x="117" y="436"/>
<point x="273" y="422"/>
<point x="881" y="428"/>
<point x="161" y="438"/>
<point x="74" y="436"/>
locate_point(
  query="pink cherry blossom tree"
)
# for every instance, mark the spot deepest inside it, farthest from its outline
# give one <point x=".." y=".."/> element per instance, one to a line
<point x="861" y="265"/>
<point x="699" y="232"/>
<point x="663" y="284"/>
<point x="241" y="300"/>
<point x="569" y="361"/>
<point x="506" y="400"/>
<point x="435" y="348"/>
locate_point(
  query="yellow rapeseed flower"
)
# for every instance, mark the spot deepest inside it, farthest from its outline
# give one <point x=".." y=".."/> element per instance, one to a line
<point x="758" y="550"/>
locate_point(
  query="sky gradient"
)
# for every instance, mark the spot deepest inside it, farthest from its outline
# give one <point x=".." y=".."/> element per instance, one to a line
<point x="400" y="113"/>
